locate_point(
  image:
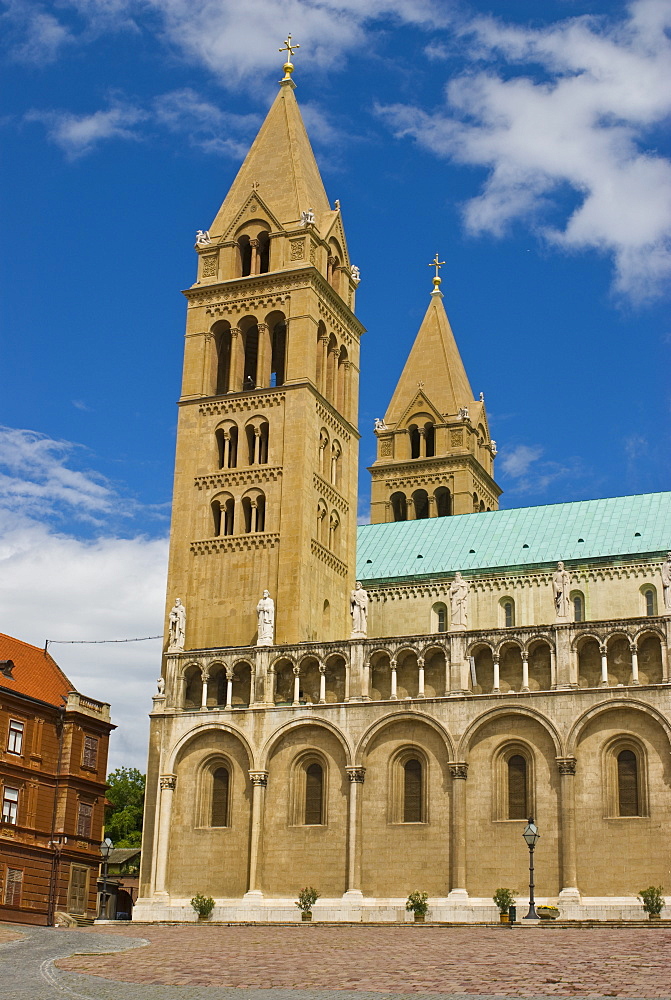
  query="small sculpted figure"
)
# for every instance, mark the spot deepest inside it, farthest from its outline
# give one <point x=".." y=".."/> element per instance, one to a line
<point x="459" y="601"/>
<point x="161" y="686"/>
<point x="666" y="583"/>
<point x="177" y="626"/>
<point x="359" y="612"/>
<point x="561" y="583"/>
<point x="265" y="611"/>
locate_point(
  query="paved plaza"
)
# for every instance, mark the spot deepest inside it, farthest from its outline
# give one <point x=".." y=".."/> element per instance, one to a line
<point x="332" y="962"/>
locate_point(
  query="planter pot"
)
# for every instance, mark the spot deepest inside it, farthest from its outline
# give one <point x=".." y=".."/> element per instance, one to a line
<point x="306" y="915"/>
<point x="546" y="914"/>
<point x="419" y="918"/>
<point x="654" y="916"/>
<point x="504" y="918"/>
<point x="203" y="920"/>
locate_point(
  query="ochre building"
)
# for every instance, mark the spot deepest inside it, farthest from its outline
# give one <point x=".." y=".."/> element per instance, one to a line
<point x="405" y="748"/>
<point x="53" y="767"/>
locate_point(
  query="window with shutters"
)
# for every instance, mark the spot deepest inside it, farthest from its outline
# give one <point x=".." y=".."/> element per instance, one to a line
<point x="84" y="819"/>
<point x="13" y="886"/>
<point x="513" y="775"/>
<point x="408" y="785"/>
<point x="10" y="805"/>
<point x="15" y="736"/>
<point x="90" y="754"/>
<point x="220" y="785"/>
<point x="78" y="889"/>
<point x="309" y="797"/>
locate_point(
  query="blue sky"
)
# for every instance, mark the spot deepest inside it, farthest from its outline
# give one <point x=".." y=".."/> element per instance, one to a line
<point x="530" y="150"/>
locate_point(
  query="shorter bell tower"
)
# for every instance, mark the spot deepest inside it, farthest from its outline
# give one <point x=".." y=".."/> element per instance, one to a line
<point x="435" y="456"/>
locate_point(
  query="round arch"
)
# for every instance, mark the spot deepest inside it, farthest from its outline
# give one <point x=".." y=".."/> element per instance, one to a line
<point x="605" y="706"/>
<point x="304" y="720"/>
<point x="389" y="720"/>
<point x="497" y="713"/>
<point x="508" y="642"/>
<point x="217" y="727"/>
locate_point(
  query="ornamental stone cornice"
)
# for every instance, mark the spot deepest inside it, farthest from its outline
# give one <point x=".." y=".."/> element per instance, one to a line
<point x="239" y="477"/>
<point x="234" y="402"/>
<point x="236" y="543"/>
<point x="330" y="493"/>
<point x="328" y="557"/>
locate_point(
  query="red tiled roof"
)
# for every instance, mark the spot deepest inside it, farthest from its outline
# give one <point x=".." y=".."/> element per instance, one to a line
<point x="35" y="673"/>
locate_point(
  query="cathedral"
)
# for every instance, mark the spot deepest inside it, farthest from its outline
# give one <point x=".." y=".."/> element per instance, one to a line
<point x="378" y="710"/>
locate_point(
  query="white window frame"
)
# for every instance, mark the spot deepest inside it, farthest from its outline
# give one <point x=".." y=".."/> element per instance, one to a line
<point x="15" y="736"/>
<point x="10" y="805"/>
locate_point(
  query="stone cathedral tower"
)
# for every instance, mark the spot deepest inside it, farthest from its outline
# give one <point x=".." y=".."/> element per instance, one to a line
<point x="434" y="454"/>
<point x="267" y="445"/>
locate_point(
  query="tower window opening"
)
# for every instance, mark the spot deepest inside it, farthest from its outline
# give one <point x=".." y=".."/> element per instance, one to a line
<point x="430" y="440"/>
<point x="414" y="441"/>
<point x="245" y="250"/>
<point x="227" y="446"/>
<point x="279" y="350"/>
<point x="223" y="345"/>
<point x="264" y="252"/>
<point x="399" y="506"/>
<point x="216" y="517"/>
<point x="228" y="516"/>
<point x="421" y="502"/>
<point x="578" y="608"/>
<point x="251" y="342"/>
<point x="508" y="614"/>
<point x="650" y="609"/>
<point x="443" y="501"/>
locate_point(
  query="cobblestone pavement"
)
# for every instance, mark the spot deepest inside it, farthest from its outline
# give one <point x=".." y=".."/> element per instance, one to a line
<point x="334" y="963"/>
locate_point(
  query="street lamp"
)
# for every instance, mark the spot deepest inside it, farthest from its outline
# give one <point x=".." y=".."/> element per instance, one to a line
<point x="105" y="849"/>
<point x="531" y="836"/>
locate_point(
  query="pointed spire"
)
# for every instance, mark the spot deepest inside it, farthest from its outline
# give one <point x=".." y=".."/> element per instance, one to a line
<point x="280" y="165"/>
<point x="435" y="362"/>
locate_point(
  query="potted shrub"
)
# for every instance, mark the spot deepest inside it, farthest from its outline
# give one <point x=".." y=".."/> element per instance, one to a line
<point x="504" y="899"/>
<point x="203" y="905"/>
<point x="417" y="902"/>
<point x="653" y="900"/>
<point x="548" y="912"/>
<point x="306" y="900"/>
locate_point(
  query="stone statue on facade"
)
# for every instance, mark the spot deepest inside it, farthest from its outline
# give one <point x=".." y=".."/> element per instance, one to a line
<point x="160" y="683"/>
<point x="177" y="627"/>
<point x="380" y="424"/>
<point x="203" y="238"/>
<point x="458" y="602"/>
<point x="358" y="604"/>
<point x="561" y="583"/>
<point x="666" y="583"/>
<point x="265" y="611"/>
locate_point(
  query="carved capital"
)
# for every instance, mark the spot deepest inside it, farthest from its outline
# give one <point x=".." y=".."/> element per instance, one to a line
<point x="230" y="673"/>
<point x="458" y="769"/>
<point x="322" y="668"/>
<point x="297" y="671"/>
<point x="259" y="778"/>
<point x="168" y="782"/>
<point x="356" y="774"/>
<point x="566" y="765"/>
<point x="262" y="327"/>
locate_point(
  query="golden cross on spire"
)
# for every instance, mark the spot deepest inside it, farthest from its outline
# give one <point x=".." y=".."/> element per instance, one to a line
<point x="289" y="48"/>
<point x="437" y="279"/>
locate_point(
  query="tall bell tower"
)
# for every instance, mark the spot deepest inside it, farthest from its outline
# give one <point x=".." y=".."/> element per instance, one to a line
<point x="267" y="443"/>
<point x="435" y="455"/>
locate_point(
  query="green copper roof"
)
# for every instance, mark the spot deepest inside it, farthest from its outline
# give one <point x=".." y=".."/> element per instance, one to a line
<point x="586" y="529"/>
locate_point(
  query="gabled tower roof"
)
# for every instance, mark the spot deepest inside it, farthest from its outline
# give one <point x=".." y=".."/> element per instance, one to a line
<point x="434" y="361"/>
<point x="282" y="163"/>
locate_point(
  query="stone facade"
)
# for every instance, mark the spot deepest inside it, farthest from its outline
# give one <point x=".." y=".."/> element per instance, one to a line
<point x="411" y="758"/>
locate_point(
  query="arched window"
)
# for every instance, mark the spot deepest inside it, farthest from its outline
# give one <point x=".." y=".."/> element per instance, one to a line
<point x="227" y="516"/>
<point x="628" y="795"/>
<point x="321" y="522"/>
<point x="429" y="440"/>
<point x="314" y="795"/>
<point x="251" y="348"/>
<point x="245" y="251"/>
<point x="257" y="443"/>
<point x="421" y="501"/>
<point x="193" y="687"/>
<point x="220" y="786"/>
<point x="414" y="441"/>
<point x="443" y="501"/>
<point x="650" y="599"/>
<point x="518" y="798"/>
<point x="412" y="791"/>
<point x="508" y="612"/>
<point x="343" y="377"/>
<point x="254" y="512"/>
<point x="439" y="618"/>
<point x="476" y="503"/>
<point x="216" y="518"/>
<point x="334" y="532"/>
<point x="222" y="340"/>
<point x="399" y="506"/>
<point x="578" y="607"/>
<point x="336" y="453"/>
<point x="323" y="451"/>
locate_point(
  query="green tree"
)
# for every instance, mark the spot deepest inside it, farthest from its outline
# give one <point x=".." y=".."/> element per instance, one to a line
<point x="123" y="818"/>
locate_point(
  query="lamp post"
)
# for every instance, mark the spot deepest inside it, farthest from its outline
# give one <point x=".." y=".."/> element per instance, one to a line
<point x="105" y="849"/>
<point x="531" y="836"/>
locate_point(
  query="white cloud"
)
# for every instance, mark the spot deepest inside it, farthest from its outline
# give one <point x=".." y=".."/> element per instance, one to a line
<point x="582" y="123"/>
<point x="54" y="585"/>
<point x="35" y="35"/>
<point x="518" y="460"/>
<point x="79" y="134"/>
<point x="205" y="125"/>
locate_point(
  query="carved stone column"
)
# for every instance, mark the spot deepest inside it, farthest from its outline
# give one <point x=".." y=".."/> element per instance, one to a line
<point x="525" y="671"/>
<point x="236" y="362"/>
<point x="254" y="244"/>
<point x="322" y="684"/>
<point x="167" y="784"/>
<point x="410" y="508"/>
<point x="324" y="347"/>
<point x="205" y="673"/>
<point x="420" y="680"/>
<point x="392" y="666"/>
<point x="497" y="672"/>
<point x="604" y="664"/>
<point x="459" y="773"/>
<point x="297" y="686"/>
<point x="229" y="687"/>
<point x="259" y="780"/>
<point x="569" y="872"/>
<point x="433" y="511"/>
<point x="634" y="662"/>
<point x="264" y="361"/>
<point x="356" y="777"/>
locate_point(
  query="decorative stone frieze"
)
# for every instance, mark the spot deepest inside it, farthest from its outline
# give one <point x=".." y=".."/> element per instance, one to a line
<point x="235" y="402"/>
<point x="239" y="477"/>
<point x="330" y="493"/>
<point x="328" y="557"/>
<point x="232" y="543"/>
